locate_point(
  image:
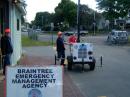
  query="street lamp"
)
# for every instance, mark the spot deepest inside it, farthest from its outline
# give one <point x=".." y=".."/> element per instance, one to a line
<point x="78" y="21"/>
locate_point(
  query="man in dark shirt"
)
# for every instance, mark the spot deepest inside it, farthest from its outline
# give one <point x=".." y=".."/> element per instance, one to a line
<point x="60" y="48"/>
<point x="6" y="49"/>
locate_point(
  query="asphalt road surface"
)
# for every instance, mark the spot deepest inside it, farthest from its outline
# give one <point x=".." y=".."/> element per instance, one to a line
<point x="110" y="80"/>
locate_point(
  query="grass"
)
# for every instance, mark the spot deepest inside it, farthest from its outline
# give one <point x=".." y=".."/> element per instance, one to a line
<point x="27" y="42"/>
<point x="50" y="32"/>
<point x="97" y="32"/>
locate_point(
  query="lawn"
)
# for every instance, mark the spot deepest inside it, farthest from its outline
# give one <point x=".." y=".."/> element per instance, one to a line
<point x="50" y="32"/>
<point x="26" y="42"/>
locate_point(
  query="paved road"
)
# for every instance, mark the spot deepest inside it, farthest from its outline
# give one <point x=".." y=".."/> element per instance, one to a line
<point x="47" y="37"/>
<point x="113" y="79"/>
<point x="47" y="51"/>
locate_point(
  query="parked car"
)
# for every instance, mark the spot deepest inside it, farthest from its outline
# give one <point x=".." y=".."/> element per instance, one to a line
<point x="82" y="33"/>
<point x="117" y="37"/>
<point x="24" y="30"/>
<point x="38" y="30"/>
<point x="68" y="33"/>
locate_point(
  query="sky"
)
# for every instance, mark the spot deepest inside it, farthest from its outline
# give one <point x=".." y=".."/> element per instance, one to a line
<point x="34" y="6"/>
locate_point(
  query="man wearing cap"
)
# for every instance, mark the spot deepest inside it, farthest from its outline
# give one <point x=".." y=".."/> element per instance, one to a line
<point x="60" y="47"/>
<point x="6" y="48"/>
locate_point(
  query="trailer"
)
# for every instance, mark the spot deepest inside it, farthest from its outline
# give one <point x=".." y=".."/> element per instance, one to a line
<point x="81" y="53"/>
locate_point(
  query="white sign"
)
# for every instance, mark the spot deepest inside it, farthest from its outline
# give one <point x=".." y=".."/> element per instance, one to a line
<point x="34" y="81"/>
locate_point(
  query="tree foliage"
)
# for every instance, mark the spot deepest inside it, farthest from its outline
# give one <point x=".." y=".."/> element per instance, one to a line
<point x="66" y="16"/>
<point x="113" y="9"/>
<point x="87" y="17"/>
<point x="66" y="11"/>
<point x="42" y="19"/>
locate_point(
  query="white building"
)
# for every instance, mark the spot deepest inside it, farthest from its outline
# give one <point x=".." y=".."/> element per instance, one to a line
<point x="11" y="12"/>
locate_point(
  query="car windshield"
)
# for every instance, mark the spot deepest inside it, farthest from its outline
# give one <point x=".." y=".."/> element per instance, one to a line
<point x="122" y="34"/>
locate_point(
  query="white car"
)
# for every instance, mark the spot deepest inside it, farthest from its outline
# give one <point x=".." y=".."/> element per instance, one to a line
<point x="82" y="33"/>
<point x="24" y="30"/>
<point x="68" y="33"/>
<point x="38" y="30"/>
<point x="117" y="36"/>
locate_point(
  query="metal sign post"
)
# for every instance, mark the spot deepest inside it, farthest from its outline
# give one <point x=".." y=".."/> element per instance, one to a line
<point x="52" y="27"/>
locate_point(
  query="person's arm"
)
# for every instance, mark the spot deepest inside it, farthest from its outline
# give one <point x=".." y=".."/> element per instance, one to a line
<point x="2" y="46"/>
<point x="10" y="45"/>
<point x="57" y="44"/>
<point x="62" y="43"/>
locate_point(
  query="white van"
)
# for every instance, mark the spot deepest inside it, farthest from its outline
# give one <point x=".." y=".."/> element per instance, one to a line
<point x="117" y="36"/>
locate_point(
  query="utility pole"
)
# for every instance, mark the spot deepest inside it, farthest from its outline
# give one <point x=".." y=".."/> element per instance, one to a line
<point x="78" y="21"/>
<point x="94" y="23"/>
<point x="42" y="21"/>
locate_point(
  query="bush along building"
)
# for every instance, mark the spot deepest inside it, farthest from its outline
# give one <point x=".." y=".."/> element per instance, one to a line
<point x="11" y="12"/>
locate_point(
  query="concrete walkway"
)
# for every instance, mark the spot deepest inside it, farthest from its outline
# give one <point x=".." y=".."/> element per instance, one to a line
<point x="45" y="56"/>
<point x="69" y="89"/>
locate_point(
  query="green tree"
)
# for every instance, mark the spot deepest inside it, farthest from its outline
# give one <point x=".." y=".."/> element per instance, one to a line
<point x="87" y="17"/>
<point x="43" y="19"/>
<point x="113" y="9"/>
<point x="66" y="11"/>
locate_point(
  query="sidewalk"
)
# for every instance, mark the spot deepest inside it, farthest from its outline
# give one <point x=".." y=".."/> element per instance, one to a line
<point x="69" y="89"/>
<point x="1" y="85"/>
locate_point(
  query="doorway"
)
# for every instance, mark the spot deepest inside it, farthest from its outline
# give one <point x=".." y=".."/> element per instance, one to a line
<point x="1" y="28"/>
<point x="1" y="31"/>
<point x="4" y="21"/>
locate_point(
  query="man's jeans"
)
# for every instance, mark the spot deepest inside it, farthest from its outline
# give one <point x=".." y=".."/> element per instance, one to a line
<point x="6" y="62"/>
<point x="61" y="54"/>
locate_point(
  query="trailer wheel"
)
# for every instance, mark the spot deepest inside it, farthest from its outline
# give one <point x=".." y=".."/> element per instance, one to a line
<point x="70" y="62"/>
<point x="92" y="65"/>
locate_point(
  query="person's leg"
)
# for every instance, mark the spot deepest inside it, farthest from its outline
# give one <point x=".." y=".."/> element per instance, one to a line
<point x="6" y="63"/>
<point x="63" y="58"/>
<point x="3" y="64"/>
<point x="58" y="55"/>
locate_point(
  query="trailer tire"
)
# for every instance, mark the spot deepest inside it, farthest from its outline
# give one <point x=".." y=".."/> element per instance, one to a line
<point x="92" y="65"/>
<point x="70" y="62"/>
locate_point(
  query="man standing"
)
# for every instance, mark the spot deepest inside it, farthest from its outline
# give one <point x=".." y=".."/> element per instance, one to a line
<point x="6" y="49"/>
<point x="60" y="47"/>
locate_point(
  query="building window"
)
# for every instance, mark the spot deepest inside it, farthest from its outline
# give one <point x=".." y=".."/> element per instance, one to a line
<point x="18" y="25"/>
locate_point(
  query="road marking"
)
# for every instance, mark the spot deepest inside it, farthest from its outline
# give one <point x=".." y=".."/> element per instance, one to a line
<point x="102" y="96"/>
